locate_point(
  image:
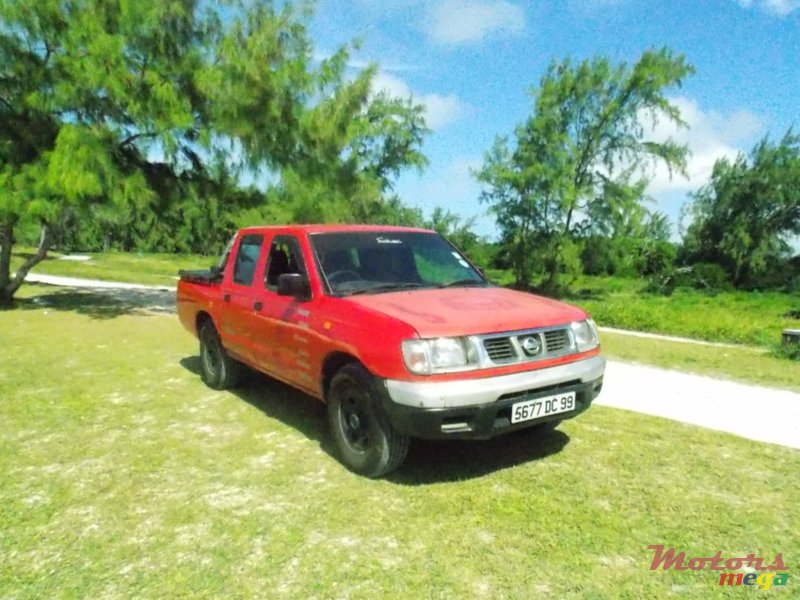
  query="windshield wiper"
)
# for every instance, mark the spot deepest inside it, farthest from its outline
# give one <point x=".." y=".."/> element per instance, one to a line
<point x="385" y="287"/>
<point x="464" y="282"/>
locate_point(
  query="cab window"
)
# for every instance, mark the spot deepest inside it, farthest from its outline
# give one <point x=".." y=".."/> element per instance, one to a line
<point x="245" y="267"/>
<point x="284" y="257"/>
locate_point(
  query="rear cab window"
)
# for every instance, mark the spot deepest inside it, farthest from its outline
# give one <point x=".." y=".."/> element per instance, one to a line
<point x="244" y="268"/>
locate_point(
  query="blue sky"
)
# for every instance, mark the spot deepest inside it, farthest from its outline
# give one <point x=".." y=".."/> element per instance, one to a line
<point x="472" y="62"/>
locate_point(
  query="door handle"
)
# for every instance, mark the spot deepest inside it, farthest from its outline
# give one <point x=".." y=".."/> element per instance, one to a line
<point x="226" y="297"/>
<point x="258" y="305"/>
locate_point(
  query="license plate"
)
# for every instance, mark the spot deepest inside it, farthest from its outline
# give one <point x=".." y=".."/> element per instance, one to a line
<point x="542" y="407"/>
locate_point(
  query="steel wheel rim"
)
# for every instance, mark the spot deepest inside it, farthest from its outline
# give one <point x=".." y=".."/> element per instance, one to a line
<point x="354" y="422"/>
<point x="211" y="355"/>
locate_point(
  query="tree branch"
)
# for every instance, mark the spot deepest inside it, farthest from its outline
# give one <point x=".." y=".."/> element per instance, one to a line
<point x="132" y="138"/>
<point x="45" y="240"/>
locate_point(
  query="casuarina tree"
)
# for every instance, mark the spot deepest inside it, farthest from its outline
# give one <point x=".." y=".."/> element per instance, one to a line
<point x="586" y="143"/>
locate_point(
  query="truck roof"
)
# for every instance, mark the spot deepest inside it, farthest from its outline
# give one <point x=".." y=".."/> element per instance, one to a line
<point x="337" y="228"/>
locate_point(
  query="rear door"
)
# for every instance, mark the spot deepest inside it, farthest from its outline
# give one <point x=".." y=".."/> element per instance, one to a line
<point x="241" y="295"/>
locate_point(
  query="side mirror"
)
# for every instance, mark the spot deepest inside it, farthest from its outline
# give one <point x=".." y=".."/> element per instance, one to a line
<point x="293" y="284"/>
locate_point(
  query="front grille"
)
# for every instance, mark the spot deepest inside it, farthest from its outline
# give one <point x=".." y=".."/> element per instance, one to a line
<point x="556" y="341"/>
<point x="500" y="349"/>
<point x="511" y="349"/>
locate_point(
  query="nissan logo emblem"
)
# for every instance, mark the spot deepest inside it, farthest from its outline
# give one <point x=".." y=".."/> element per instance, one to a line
<point x="531" y="345"/>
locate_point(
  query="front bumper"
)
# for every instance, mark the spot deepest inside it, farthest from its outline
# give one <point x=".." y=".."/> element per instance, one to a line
<point x="481" y="408"/>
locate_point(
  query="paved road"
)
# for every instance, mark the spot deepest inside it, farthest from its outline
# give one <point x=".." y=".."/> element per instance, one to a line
<point x="92" y="283"/>
<point x="750" y="411"/>
<point x="103" y="295"/>
<point x="754" y="412"/>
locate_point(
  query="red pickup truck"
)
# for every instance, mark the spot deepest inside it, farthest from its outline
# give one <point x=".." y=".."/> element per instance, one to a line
<point x="395" y="330"/>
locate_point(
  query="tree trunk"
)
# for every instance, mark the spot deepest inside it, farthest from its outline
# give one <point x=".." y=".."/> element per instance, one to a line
<point x="551" y="283"/>
<point x="6" y="237"/>
<point x="8" y="286"/>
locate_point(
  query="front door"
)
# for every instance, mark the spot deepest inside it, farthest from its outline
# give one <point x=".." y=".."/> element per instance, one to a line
<point x="281" y="336"/>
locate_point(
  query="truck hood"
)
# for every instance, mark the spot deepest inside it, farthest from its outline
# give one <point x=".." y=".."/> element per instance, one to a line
<point x="468" y="311"/>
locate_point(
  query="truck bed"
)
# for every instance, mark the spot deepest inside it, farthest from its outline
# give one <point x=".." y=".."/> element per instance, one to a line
<point x="197" y="291"/>
<point x="201" y="275"/>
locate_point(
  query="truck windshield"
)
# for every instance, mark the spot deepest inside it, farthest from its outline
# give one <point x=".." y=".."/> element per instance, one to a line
<point x="384" y="261"/>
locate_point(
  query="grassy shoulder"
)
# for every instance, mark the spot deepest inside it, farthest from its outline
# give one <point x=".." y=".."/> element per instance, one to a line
<point x="736" y="317"/>
<point x="152" y="269"/>
<point x="745" y="364"/>
<point x="754" y="318"/>
<point x="122" y="474"/>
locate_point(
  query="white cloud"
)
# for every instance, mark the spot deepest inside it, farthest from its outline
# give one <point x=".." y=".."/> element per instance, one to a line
<point x="451" y="186"/>
<point x="710" y="135"/>
<point x="361" y="64"/>
<point x="442" y="110"/>
<point x="779" y="8"/>
<point x="394" y="86"/>
<point x="464" y="21"/>
<point x="439" y="110"/>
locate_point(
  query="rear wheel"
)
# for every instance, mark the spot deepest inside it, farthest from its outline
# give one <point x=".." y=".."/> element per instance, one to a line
<point x="218" y="370"/>
<point x="365" y="440"/>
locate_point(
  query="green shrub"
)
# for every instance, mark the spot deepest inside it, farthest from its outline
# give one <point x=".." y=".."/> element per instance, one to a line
<point x="709" y="277"/>
<point x="597" y="256"/>
<point x="656" y="257"/>
<point x="790" y="351"/>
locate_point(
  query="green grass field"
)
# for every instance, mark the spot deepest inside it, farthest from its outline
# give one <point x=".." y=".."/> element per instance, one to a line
<point x="122" y="475"/>
<point x="754" y="318"/>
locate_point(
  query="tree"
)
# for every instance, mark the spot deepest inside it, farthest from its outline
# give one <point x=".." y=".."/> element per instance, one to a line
<point x="91" y="91"/>
<point x="354" y="144"/>
<point x="583" y="148"/>
<point x="457" y="230"/>
<point x="623" y="237"/>
<point x="127" y="123"/>
<point x="743" y="220"/>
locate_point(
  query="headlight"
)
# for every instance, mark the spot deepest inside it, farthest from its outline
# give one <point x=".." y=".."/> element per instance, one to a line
<point x="438" y="355"/>
<point x="585" y="334"/>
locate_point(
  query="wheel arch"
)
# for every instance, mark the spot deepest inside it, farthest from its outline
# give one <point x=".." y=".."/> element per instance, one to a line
<point x="201" y="319"/>
<point x="331" y="365"/>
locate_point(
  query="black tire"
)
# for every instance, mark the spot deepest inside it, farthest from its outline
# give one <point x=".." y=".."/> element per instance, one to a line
<point x="365" y="440"/>
<point x="218" y="370"/>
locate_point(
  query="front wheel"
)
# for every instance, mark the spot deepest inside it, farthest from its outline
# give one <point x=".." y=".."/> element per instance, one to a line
<point x="218" y="370"/>
<point x="365" y="440"/>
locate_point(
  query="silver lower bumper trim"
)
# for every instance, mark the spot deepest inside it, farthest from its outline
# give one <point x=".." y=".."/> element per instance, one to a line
<point x="468" y="392"/>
